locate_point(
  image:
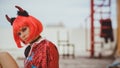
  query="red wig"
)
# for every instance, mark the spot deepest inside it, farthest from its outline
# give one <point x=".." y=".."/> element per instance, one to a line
<point x="34" y="25"/>
<point x="23" y="19"/>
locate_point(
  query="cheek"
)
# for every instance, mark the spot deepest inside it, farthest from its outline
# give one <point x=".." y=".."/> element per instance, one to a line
<point x="27" y="32"/>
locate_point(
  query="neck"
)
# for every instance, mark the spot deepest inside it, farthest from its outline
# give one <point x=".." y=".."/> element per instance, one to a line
<point x="36" y="39"/>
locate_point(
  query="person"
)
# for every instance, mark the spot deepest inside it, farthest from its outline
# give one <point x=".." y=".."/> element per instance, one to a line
<point x="7" y="61"/>
<point x="40" y="52"/>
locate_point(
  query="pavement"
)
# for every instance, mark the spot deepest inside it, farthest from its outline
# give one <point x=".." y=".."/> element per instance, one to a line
<point x="85" y="62"/>
<point x="80" y="62"/>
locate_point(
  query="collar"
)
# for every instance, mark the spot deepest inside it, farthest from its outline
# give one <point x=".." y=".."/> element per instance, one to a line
<point x="38" y="41"/>
<point x="39" y="37"/>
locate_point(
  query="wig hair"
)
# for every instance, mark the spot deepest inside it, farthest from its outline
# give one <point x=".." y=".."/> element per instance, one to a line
<point x="23" y="19"/>
<point x="34" y="25"/>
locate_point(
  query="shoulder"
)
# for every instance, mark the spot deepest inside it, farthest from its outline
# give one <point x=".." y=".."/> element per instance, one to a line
<point x="48" y="42"/>
<point x="4" y="54"/>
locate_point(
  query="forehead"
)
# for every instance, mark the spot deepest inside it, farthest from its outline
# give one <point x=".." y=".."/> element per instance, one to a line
<point x="23" y="27"/>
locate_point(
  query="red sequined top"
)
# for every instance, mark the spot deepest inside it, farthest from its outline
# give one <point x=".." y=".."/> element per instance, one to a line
<point x="43" y="54"/>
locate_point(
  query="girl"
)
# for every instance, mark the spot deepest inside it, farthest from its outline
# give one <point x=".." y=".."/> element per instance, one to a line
<point x="40" y="52"/>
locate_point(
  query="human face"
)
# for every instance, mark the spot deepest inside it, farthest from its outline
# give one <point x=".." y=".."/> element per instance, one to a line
<point x="23" y="33"/>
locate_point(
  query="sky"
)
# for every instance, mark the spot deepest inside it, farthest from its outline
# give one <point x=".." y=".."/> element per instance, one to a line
<point x="72" y="13"/>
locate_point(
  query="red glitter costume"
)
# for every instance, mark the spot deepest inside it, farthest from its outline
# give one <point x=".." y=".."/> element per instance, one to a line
<point x="43" y="54"/>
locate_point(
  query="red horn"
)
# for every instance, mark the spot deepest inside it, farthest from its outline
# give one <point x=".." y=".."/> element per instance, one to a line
<point x="19" y="8"/>
<point x="8" y="18"/>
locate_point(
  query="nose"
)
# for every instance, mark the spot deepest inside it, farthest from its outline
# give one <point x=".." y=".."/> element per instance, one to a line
<point x="22" y="36"/>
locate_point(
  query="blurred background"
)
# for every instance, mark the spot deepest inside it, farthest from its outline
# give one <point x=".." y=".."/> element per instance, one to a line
<point x="86" y="32"/>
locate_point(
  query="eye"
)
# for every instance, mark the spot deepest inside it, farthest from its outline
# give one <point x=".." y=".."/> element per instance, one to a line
<point x="18" y="33"/>
<point x="24" y="29"/>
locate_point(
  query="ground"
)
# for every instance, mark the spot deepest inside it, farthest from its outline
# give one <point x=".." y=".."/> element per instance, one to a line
<point x="80" y="62"/>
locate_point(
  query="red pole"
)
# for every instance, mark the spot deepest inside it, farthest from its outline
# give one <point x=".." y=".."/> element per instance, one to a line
<point x="92" y="28"/>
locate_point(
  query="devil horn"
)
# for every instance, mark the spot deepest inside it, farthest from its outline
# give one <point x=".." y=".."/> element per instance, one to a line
<point x="8" y="18"/>
<point x="19" y="8"/>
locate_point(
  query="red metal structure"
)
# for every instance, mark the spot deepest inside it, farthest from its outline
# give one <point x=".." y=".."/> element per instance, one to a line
<point x="92" y="28"/>
<point x="102" y="4"/>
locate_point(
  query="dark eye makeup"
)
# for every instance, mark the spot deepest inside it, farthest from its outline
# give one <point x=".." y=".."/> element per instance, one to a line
<point x="24" y="29"/>
<point x="18" y="33"/>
